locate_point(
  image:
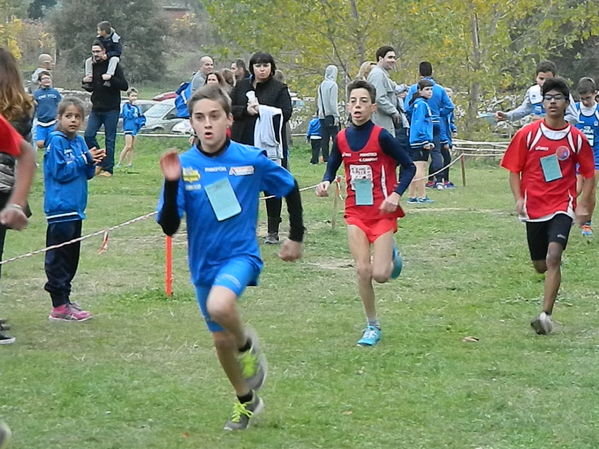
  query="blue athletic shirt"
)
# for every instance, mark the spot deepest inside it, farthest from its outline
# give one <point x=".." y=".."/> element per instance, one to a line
<point x="211" y="243"/>
<point x="47" y="99"/>
<point x="589" y="124"/>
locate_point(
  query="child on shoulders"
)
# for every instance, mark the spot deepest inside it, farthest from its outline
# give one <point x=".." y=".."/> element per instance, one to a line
<point x="111" y="41"/>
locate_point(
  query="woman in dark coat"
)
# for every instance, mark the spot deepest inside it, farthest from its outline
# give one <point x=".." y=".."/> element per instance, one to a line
<point x="270" y="92"/>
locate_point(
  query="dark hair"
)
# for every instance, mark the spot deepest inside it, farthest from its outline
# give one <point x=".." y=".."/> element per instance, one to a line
<point x="241" y="63"/>
<point x="586" y="85"/>
<point x="558" y="84"/>
<point x="421" y="85"/>
<point x="219" y="78"/>
<point x="98" y="43"/>
<point x="261" y="57"/>
<point x="425" y="68"/>
<point x="362" y="84"/>
<point x="546" y="66"/>
<point x="210" y="92"/>
<point x="71" y="101"/>
<point x="43" y="73"/>
<point x="104" y="26"/>
<point x="133" y="90"/>
<point x="382" y="51"/>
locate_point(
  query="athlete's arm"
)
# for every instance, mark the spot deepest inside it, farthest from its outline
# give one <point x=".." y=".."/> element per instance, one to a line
<point x="296" y="214"/>
<point x="515" y="186"/>
<point x="168" y="217"/>
<point x="521" y="111"/>
<point x="333" y="163"/>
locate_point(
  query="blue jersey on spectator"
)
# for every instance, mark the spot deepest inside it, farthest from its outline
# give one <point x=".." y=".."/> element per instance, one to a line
<point x="47" y="99"/>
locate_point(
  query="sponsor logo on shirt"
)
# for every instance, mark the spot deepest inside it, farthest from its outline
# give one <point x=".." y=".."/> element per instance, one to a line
<point x="563" y="153"/>
<point x="541" y="148"/>
<point x="214" y="169"/>
<point x="242" y="171"/>
<point x="193" y="186"/>
<point x="190" y="175"/>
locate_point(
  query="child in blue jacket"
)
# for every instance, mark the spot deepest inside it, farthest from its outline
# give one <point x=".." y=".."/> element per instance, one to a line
<point x="47" y="99"/>
<point x="421" y="140"/>
<point x="68" y="164"/>
<point x="133" y="120"/>
<point x="314" y="135"/>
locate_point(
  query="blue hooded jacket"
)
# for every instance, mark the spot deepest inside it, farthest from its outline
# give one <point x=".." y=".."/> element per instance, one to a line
<point x="68" y="165"/>
<point x="133" y="118"/>
<point x="421" y="125"/>
<point x="440" y="103"/>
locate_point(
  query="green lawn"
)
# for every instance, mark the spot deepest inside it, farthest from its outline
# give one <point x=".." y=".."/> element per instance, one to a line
<point x="143" y="373"/>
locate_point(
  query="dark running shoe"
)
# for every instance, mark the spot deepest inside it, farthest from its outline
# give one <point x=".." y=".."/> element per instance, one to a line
<point x="243" y="414"/>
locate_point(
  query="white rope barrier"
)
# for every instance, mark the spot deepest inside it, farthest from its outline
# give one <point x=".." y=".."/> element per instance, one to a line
<point x="103" y="232"/>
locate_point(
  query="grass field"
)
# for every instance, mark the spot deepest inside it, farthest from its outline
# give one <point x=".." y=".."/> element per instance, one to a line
<point x="143" y="374"/>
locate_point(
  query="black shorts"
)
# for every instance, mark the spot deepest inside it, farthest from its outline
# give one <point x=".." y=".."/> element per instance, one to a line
<point x="540" y="233"/>
<point x="419" y="154"/>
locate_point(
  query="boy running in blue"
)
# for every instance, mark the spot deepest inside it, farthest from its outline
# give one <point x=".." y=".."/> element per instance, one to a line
<point x="588" y="123"/>
<point x="216" y="184"/>
<point x="47" y="99"/>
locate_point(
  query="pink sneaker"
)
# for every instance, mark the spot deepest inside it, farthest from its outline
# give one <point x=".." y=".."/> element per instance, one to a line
<point x="69" y="312"/>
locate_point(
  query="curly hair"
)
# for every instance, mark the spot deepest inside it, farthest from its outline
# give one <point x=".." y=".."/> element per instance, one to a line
<point x="15" y="103"/>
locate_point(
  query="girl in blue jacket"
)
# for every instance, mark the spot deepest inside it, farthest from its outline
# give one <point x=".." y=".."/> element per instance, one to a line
<point x="421" y="140"/>
<point x="68" y="164"/>
<point x="133" y="120"/>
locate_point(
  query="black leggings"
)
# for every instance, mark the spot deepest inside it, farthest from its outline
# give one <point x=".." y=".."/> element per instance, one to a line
<point x="273" y="208"/>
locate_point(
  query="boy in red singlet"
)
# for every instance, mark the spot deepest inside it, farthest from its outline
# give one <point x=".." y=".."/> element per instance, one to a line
<point x="542" y="160"/>
<point x="370" y="156"/>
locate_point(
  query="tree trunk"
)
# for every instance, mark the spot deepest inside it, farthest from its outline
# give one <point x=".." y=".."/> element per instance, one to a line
<point x="475" y="66"/>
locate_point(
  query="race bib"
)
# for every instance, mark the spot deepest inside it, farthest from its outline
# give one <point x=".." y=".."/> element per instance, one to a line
<point x="222" y="199"/>
<point x="551" y="168"/>
<point x="363" y="188"/>
<point x="359" y="172"/>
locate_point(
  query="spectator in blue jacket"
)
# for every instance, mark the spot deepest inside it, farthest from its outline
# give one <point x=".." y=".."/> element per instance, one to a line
<point x="448" y="131"/>
<point x="421" y="139"/>
<point x="68" y="164"/>
<point x="314" y="135"/>
<point x="47" y="99"/>
<point x="133" y="120"/>
<point x="441" y="105"/>
<point x="112" y="43"/>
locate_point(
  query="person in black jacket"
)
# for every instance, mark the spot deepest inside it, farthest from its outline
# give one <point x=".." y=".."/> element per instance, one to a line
<point x="106" y="105"/>
<point x="248" y="94"/>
